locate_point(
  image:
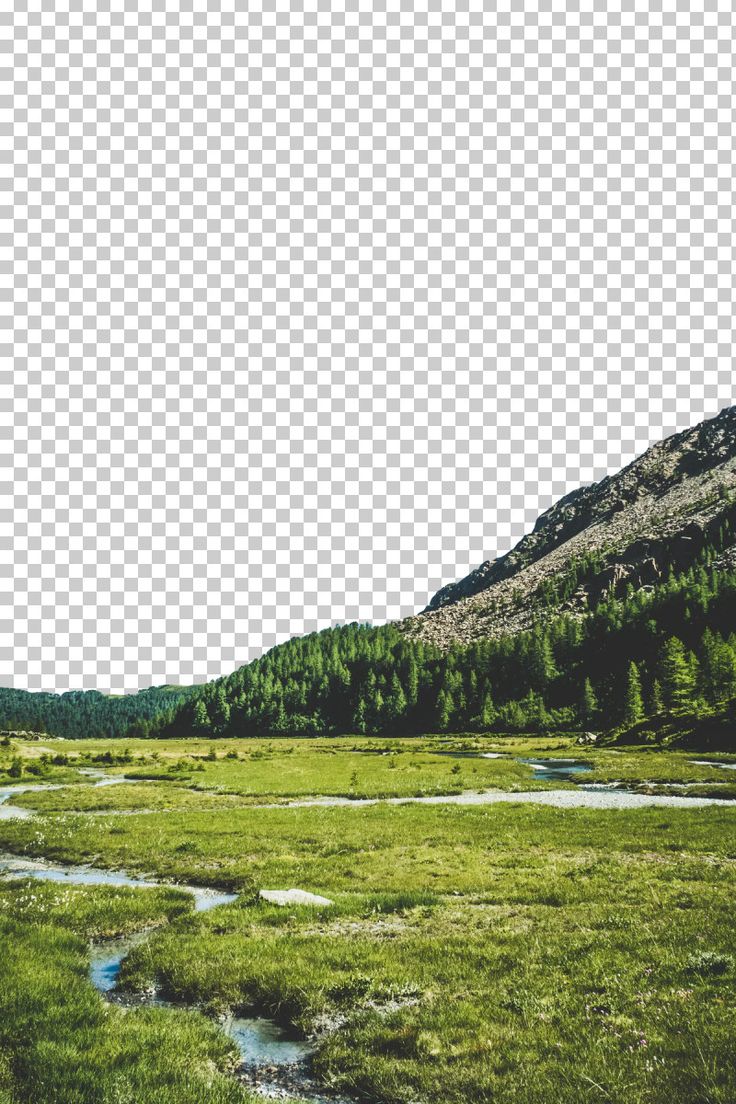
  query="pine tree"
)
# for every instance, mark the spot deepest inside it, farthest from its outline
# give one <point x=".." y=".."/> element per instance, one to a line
<point x="541" y="667"/>
<point x="375" y="712"/>
<point x="395" y="705"/>
<point x="633" y="701"/>
<point x="201" y="719"/>
<point x="588" y="704"/>
<point x="718" y="665"/>
<point x="488" y="712"/>
<point x="445" y="710"/>
<point x="412" y="683"/>
<point x="359" y="717"/>
<point x="677" y="681"/>
<point x="656" y="701"/>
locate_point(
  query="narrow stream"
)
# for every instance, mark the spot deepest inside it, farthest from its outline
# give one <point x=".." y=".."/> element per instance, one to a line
<point x="274" y="1063"/>
<point x="17" y="812"/>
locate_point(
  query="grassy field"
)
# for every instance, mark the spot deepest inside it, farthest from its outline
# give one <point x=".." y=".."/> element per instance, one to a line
<point x="504" y="953"/>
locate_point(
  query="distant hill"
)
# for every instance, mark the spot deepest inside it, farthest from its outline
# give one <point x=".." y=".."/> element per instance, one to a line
<point x="88" y="713"/>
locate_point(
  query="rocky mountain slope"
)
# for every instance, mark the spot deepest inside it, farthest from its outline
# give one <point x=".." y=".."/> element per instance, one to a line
<point x="627" y="530"/>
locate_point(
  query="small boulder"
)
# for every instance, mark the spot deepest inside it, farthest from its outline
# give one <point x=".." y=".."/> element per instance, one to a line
<point x="588" y="738"/>
<point x="293" y="897"/>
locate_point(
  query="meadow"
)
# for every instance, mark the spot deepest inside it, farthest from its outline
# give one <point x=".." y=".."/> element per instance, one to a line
<point x="495" y="954"/>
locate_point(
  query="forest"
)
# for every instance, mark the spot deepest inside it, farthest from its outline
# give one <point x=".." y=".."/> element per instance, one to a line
<point x="650" y="651"/>
<point x="88" y="713"/>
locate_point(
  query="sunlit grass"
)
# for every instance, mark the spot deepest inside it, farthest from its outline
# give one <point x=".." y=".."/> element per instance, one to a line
<point x="512" y="954"/>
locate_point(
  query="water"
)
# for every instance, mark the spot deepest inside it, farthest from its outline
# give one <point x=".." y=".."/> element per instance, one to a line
<point x="713" y="763"/>
<point x="596" y="795"/>
<point x="12" y="812"/>
<point x="204" y="897"/>
<point x="107" y="958"/>
<point x="557" y="770"/>
<point x="17" y="812"/>
<point x="261" y="1042"/>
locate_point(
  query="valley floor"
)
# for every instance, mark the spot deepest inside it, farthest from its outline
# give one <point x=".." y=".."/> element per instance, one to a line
<point x="501" y="952"/>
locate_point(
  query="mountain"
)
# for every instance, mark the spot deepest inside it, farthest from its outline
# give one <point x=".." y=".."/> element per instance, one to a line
<point x="617" y="612"/>
<point x="627" y="531"/>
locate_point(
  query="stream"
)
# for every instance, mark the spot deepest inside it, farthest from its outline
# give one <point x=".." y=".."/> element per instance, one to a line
<point x="17" y="812"/>
<point x="273" y="1063"/>
<point x="592" y="795"/>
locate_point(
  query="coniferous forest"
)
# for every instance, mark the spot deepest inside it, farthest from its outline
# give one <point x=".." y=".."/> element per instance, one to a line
<point x="653" y="651"/>
<point x="663" y="650"/>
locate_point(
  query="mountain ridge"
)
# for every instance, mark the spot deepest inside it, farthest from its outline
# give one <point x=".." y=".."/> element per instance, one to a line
<point x="664" y="504"/>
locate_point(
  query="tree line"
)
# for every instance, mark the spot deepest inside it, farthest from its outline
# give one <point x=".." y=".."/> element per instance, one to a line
<point x="665" y="648"/>
<point x="88" y="713"/>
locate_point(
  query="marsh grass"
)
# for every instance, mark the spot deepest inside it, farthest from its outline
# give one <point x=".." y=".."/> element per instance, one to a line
<point x="60" y="1043"/>
<point x="512" y="954"/>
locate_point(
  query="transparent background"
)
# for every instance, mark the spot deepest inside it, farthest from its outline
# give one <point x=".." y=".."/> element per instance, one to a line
<point x="309" y="309"/>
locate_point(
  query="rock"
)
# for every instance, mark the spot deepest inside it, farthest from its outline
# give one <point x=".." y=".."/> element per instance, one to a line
<point x="587" y="738"/>
<point x="625" y="532"/>
<point x="293" y="897"/>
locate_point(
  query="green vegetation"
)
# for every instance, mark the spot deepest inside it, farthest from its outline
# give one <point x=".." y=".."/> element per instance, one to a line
<point x="228" y="774"/>
<point x="507" y="953"/>
<point x="81" y="713"/>
<point x="60" y="1043"/>
<point x="654" y="652"/>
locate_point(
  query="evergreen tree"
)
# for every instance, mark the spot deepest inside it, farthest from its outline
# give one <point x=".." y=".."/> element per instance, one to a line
<point x="488" y="712"/>
<point x="541" y="667"/>
<point x="360" y="717"/>
<point x="588" y="704"/>
<point x="201" y="721"/>
<point x="718" y="666"/>
<point x="676" y="673"/>
<point x="412" y="683"/>
<point x="633" y="701"/>
<point x="656" y="700"/>
<point x="395" y="705"/>
<point x="445" y="710"/>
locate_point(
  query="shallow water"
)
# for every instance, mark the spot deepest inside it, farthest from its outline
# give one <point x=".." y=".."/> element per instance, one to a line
<point x="18" y="812"/>
<point x="106" y="959"/>
<point x="713" y="763"/>
<point x="559" y="770"/>
<point x="12" y="812"/>
<point x="261" y="1042"/>
<point x="593" y="796"/>
<point x="204" y="897"/>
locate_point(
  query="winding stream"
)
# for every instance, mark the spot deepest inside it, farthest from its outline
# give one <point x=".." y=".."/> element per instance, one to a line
<point x="593" y="795"/>
<point x="17" y="812"/>
<point x="273" y="1062"/>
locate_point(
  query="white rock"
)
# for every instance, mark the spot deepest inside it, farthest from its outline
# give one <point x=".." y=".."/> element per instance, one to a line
<point x="293" y="897"/>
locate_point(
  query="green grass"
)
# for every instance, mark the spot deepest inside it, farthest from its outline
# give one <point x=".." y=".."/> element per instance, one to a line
<point x="504" y="953"/>
<point x="60" y="1043"/>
